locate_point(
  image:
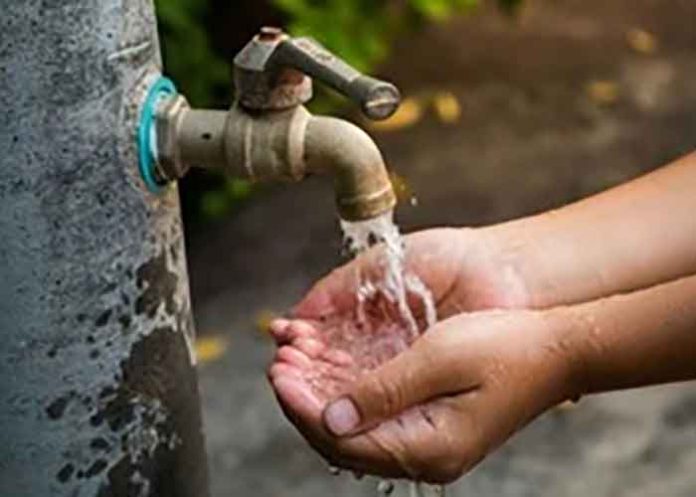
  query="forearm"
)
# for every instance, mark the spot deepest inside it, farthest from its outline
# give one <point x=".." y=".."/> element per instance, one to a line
<point x="637" y="339"/>
<point x="633" y="236"/>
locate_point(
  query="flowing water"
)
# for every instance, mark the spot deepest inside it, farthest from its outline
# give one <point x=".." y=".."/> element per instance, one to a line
<point x="397" y="284"/>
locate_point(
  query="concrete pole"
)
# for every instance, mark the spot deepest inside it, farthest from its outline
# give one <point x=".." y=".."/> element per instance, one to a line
<point x="98" y="389"/>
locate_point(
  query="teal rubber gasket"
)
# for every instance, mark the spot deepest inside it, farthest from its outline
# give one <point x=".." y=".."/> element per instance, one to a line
<point x="163" y="87"/>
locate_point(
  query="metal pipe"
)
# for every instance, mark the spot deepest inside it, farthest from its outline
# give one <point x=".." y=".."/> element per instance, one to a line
<point x="98" y="390"/>
<point x="277" y="145"/>
<point x="363" y="188"/>
<point x="203" y="132"/>
<point x="187" y="138"/>
<point x="268" y="146"/>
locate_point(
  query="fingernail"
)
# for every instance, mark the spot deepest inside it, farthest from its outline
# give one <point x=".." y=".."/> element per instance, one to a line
<point x="341" y="417"/>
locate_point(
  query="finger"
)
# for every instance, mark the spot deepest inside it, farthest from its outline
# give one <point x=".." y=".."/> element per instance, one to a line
<point x="336" y="292"/>
<point x="285" y="331"/>
<point x="298" y="329"/>
<point x="339" y="358"/>
<point x="279" y="331"/>
<point x="431" y="368"/>
<point x="436" y="442"/>
<point x="303" y="408"/>
<point x="294" y="357"/>
<point x="310" y="347"/>
<point x="283" y="369"/>
<point x="451" y="447"/>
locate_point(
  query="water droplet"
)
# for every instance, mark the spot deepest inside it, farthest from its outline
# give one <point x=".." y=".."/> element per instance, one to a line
<point x="419" y="489"/>
<point x="385" y="488"/>
<point x="334" y="470"/>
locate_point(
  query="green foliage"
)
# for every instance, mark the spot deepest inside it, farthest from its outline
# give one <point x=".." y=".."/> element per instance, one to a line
<point x="217" y="203"/>
<point x="357" y="30"/>
<point x="441" y="9"/>
<point x="199" y="72"/>
<point x="361" y="31"/>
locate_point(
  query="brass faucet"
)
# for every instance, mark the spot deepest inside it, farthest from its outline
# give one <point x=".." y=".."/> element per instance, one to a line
<point x="268" y="134"/>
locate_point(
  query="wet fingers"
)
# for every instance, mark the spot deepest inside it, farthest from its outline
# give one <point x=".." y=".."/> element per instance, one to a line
<point x="293" y="356"/>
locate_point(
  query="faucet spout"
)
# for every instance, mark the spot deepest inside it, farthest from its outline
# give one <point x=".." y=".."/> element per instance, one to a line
<point x="362" y="184"/>
<point x="276" y="145"/>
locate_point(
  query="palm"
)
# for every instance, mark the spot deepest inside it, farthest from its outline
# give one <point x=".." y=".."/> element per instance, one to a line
<point x="336" y="338"/>
<point x="318" y="360"/>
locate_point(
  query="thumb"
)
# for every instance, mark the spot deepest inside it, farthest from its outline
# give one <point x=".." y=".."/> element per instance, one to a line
<point x="417" y="375"/>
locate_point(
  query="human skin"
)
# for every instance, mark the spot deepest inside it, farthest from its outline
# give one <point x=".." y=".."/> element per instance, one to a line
<point x="464" y="387"/>
<point x="630" y="237"/>
<point x="475" y="378"/>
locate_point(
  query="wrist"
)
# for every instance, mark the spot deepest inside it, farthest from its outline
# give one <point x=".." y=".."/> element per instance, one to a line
<point x="566" y="325"/>
<point x="513" y="255"/>
<point x="557" y="266"/>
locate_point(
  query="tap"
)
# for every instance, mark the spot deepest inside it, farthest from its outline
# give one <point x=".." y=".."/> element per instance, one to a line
<point x="268" y="134"/>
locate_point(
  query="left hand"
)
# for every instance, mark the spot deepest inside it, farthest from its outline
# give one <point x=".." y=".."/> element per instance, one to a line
<point x="432" y="412"/>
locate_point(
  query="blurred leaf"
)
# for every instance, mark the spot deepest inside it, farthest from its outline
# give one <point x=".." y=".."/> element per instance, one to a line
<point x="238" y="189"/>
<point x="215" y="204"/>
<point x="210" y="348"/>
<point x="361" y="31"/>
<point x="263" y="320"/>
<point x="296" y="8"/>
<point x="188" y="57"/>
<point x="642" y="41"/>
<point x="447" y="107"/>
<point x="603" y="92"/>
<point x="436" y="9"/>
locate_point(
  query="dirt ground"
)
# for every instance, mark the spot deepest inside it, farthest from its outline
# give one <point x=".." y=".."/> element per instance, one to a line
<point x="530" y="137"/>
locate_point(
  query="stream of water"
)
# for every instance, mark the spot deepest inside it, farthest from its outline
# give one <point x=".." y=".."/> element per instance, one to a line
<point x="397" y="284"/>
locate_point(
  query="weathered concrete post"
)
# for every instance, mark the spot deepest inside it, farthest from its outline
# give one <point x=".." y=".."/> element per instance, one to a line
<point x="98" y="391"/>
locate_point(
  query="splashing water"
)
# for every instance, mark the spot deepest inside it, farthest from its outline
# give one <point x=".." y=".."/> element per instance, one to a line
<point x="385" y="488"/>
<point x="358" y="237"/>
<point x="396" y="284"/>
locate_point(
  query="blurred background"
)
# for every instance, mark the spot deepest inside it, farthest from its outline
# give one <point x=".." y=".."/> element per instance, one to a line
<point x="510" y="108"/>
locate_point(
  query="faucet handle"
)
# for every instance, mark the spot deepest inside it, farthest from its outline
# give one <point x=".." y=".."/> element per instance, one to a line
<point x="377" y="99"/>
<point x="272" y="72"/>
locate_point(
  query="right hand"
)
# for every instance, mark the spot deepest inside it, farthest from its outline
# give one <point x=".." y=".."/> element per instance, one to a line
<point x="435" y="410"/>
